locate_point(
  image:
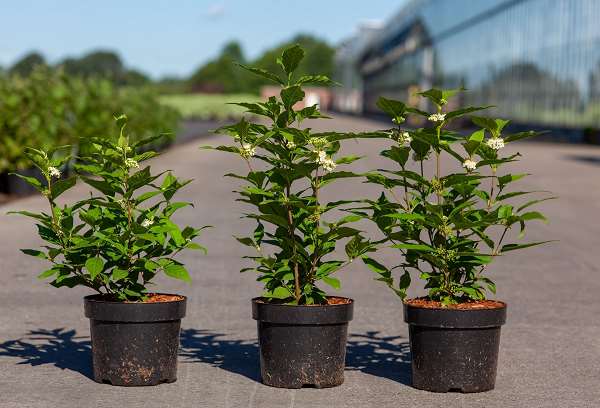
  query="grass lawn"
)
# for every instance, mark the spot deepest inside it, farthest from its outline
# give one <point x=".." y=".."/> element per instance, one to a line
<point x="208" y="106"/>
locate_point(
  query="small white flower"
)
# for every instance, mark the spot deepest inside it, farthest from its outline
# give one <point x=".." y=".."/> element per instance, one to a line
<point x="469" y="164"/>
<point x="495" y="143"/>
<point x="146" y="223"/>
<point x="329" y="164"/>
<point x="437" y="117"/>
<point x="54" y="172"/>
<point x="321" y="156"/>
<point x="290" y="145"/>
<point x="322" y="159"/>
<point x="131" y="164"/>
<point x="404" y="138"/>
<point x="247" y="151"/>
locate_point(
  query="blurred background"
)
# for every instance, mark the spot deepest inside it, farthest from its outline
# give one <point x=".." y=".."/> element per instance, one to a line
<point x="67" y="67"/>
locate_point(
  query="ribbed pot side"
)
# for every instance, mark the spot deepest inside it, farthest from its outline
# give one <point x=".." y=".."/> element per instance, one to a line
<point x="302" y="346"/>
<point x="134" y="344"/>
<point x="454" y="349"/>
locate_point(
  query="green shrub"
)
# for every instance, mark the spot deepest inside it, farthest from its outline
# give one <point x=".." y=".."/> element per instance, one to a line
<point x="50" y="108"/>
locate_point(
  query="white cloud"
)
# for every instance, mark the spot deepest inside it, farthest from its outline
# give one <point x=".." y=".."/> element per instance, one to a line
<point x="215" y="11"/>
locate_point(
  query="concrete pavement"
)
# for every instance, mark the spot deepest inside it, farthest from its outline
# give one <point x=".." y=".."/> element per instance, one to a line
<point x="550" y="349"/>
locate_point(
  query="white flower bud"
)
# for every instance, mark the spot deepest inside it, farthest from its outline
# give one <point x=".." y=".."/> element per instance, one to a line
<point x="469" y="165"/>
<point x="247" y="151"/>
<point x="437" y="117"/>
<point x="53" y="172"/>
<point x="495" y="143"/>
<point x="131" y="164"/>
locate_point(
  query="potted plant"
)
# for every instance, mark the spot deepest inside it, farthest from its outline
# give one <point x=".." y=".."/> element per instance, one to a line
<point x="449" y="228"/>
<point x="301" y="330"/>
<point x="115" y="243"/>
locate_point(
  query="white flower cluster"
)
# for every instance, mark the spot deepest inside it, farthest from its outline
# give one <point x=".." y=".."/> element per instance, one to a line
<point x="327" y="163"/>
<point x="290" y="145"/>
<point x="147" y="223"/>
<point x="247" y="151"/>
<point x="495" y="143"/>
<point x="437" y="117"/>
<point x="131" y="164"/>
<point x="469" y="164"/>
<point x="53" y="172"/>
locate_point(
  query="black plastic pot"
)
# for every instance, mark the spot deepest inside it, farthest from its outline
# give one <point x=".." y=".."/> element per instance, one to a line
<point x="302" y="346"/>
<point x="134" y="344"/>
<point x="454" y="349"/>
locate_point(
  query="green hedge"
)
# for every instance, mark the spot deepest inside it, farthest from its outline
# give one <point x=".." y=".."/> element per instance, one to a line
<point x="49" y="108"/>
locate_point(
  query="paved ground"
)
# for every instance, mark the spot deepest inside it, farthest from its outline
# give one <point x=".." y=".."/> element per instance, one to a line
<point x="550" y="352"/>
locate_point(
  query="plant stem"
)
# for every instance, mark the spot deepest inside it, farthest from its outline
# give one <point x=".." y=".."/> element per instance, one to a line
<point x="297" y="294"/>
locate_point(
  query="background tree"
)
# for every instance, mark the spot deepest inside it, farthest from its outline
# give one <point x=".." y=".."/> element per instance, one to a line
<point x="222" y="75"/>
<point x="27" y="63"/>
<point x="106" y="65"/>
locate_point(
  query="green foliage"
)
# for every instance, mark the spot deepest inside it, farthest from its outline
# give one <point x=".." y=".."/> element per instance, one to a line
<point x="448" y="227"/>
<point x="49" y="108"/>
<point x="26" y="65"/>
<point x="117" y="240"/>
<point x="293" y="240"/>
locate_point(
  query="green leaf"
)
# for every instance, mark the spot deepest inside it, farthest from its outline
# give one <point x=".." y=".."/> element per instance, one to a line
<point x="333" y="282"/>
<point x="61" y="186"/>
<point x="533" y="215"/>
<point x="404" y="281"/>
<point x="395" y="109"/>
<point x="523" y="135"/>
<point x="262" y="73"/>
<point x="513" y="247"/>
<point x="35" y="253"/>
<point x="461" y="112"/>
<point x="416" y="247"/>
<point x="474" y="142"/>
<point x="375" y="266"/>
<point x="32" y="181"/>
<point x="279" y="292"/>
<point x="291" y="95"/>
<point x="246" y="241"/>
<point x="177" y="271"/>
<point x="291" y="57"/>
<point x="48" y="273"/>
<point x="94" y="266"/>
<point x="119" y="274"/>
<point x="315" y="80"/>
<point x="406" y="216"/>
<point x="397" y="154"/>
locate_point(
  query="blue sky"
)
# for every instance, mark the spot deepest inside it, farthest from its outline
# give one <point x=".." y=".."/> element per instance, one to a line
<point x="173" y="37"/>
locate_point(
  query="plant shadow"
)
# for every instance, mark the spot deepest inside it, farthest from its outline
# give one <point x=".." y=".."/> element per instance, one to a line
<point x="236" y="356"/>
<point x="381" y="356"/>
<point x="59" y="347"/>
<point x="590" y="159"/>
<point x="371" y="353"/>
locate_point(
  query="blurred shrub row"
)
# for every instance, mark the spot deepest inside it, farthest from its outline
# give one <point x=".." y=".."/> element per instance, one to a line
<point x="49" y="108"/>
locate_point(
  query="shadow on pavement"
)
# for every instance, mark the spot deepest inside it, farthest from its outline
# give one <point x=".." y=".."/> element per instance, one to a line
<point x="59" y="347"/>
<point x="370" y="353"/>
<point x="585" y="158"/>
<point x="387" y="357"/>
<point x="236" y="356"/>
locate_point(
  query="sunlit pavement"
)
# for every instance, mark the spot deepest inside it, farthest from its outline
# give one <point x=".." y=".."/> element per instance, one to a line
<point x="550" y="349"/>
